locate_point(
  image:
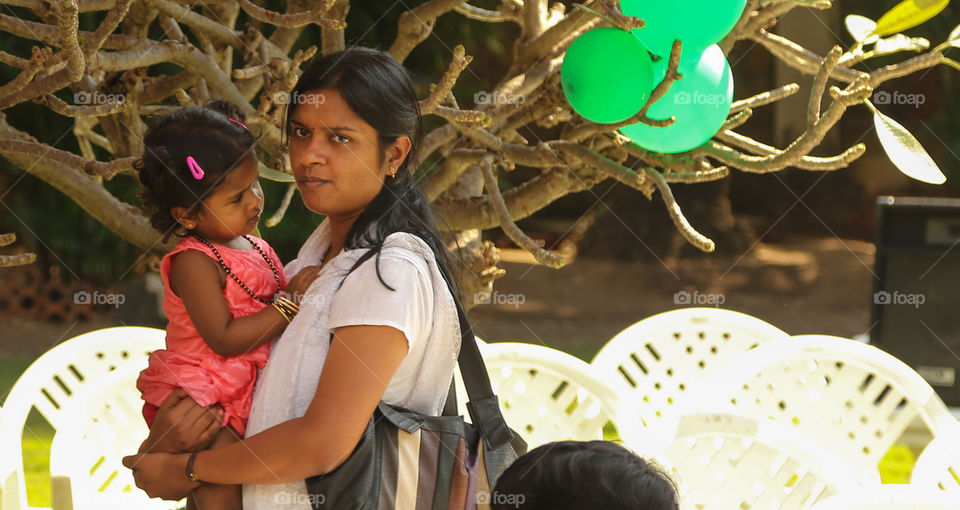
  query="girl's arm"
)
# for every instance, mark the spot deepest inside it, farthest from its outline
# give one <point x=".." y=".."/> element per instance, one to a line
<point x="182" y="425"/>
<point x="195" y="277"/>
<point x="361" y="361"/>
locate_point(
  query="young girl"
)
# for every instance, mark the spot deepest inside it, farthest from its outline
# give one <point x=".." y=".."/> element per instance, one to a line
<point x="222" y="286"/>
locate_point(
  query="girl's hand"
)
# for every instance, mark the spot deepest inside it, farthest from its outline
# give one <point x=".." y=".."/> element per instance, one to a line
<point x="298" y="285"/>
<point x="182" y="425"/>
<point x="161" y="475"/>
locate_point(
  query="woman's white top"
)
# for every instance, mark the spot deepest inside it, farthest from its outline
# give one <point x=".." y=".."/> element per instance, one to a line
<point x="421" y="306"/>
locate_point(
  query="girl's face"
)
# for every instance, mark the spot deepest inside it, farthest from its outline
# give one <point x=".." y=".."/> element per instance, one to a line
<point x="335" y="155"/>
<point x="232" y="209"/>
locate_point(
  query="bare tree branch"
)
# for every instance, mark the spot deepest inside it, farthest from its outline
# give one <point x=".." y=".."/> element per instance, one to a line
<point x="284" y="204"/>
<point x="488" y="16"/>
<point x="416" y="25"/>
<point x="14" y="260"/>
<point x="458" y="63"/>
<point x="125" y="58"/>
<point x="294" y="20"/>
<point x="820" y="84"/>
<point x="69" y="23"/>
<point x="510" y="228"/>
<point x="60" y="170"/>
<point x="765" y="98"/>
<point x="693" y="237"/>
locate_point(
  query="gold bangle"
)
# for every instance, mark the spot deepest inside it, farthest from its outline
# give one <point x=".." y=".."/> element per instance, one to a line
<point x="287" y="310"/>
<point x="288" y="305"/>
<point x="288" y="302"/>
<point x="283" y="312"/>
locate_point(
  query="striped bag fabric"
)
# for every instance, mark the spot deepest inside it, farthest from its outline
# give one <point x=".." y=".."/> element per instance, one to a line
<point x="406" y="460"/>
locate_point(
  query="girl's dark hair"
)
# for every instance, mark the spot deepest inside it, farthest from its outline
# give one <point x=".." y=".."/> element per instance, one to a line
<point x="584" y="474"/>
<point x="378" y="89"/>
<point x="205" y="133"/>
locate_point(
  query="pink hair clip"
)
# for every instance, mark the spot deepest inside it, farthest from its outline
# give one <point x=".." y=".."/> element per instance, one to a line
<point x="194" y="167"/>
<point x="235" y="121"/>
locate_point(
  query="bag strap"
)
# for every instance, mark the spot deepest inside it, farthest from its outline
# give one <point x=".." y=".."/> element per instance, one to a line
<point x="482" y="404"/>
<point x="450" y="406"/>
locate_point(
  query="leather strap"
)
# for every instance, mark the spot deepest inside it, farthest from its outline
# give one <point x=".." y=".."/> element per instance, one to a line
<point x="450" y="406"/>
<point x="482" y="404"/>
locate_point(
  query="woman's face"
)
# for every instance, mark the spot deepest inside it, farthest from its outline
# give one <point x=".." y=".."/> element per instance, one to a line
<point x="334" y="155"/>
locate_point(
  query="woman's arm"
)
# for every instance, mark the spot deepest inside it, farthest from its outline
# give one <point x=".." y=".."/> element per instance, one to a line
<point x="360" y="364"/>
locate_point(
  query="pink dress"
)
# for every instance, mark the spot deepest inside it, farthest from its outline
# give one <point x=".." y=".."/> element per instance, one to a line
<point x="188" y="362"/>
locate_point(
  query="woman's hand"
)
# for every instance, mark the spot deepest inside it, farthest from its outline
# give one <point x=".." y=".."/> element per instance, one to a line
<point x="298" y="285"/>
<point x="182" y="425"/>
<point x="161" y="475"/>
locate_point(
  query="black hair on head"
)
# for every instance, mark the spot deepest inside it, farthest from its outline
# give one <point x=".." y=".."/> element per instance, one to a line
<point x="584" y="474"/>
<point x="208" y="135"/>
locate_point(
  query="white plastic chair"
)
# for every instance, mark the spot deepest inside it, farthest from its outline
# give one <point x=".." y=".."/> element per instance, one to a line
<point x="888" y="497"/>
<point x="9" y="495"/>
<point x="548" y="395"/>
<point x="726" y="461"/>
<point x="851" y="397"/>
<point x="85" y="459"/>
<point x="938" y="466"/>
<point x="58" y="377"/>
<point x="657" y="363"/>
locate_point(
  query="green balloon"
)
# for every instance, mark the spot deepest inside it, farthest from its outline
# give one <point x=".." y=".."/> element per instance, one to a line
<point x="700" y="102"/>
<point x="607" y="75"/>
<point x="698" y="23"/>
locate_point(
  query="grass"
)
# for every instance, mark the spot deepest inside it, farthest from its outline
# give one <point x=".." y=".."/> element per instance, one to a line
<point x="36" y="439"/>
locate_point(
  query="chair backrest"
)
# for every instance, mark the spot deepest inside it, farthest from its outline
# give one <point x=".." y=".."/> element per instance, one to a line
<point x="888" y="497"/>
<point x="852" y="397"/>
<point x="85" y="458"/>
<point x="657" y="363"/>
<point x="548" y="395"/>
<point x="58" y="377"/>
<point x="938" y="466"/>
<point x="726" y="461"/>
<point x="60" y="373"/>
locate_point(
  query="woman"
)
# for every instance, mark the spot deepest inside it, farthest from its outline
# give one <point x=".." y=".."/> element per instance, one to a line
<point x="387" y="331"/>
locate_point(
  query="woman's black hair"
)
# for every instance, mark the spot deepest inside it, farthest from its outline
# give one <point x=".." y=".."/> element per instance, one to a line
<point x="378" y="89"/>
<point x="584" y="474"/>
<point x="206" y="133"/>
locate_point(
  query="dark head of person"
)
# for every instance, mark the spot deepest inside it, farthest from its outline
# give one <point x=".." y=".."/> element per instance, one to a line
<point x="583" y="474"/>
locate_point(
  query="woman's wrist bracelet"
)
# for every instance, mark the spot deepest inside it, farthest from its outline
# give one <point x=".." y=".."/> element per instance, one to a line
<point x="190" y="472"/>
